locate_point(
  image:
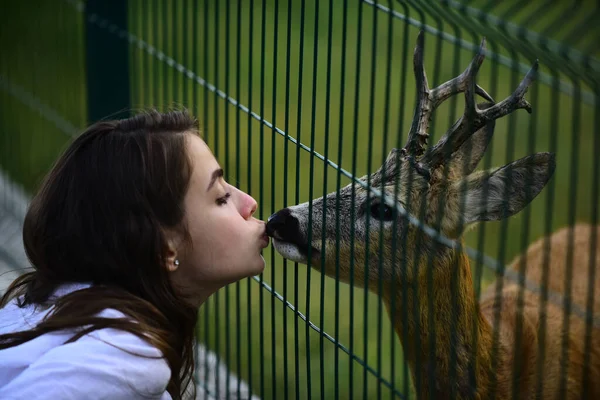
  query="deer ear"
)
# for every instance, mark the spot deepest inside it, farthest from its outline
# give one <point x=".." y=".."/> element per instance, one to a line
<point x="466" y="158"/>
<point x="503" y="192"/>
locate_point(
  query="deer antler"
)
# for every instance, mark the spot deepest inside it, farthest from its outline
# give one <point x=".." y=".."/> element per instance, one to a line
<point x="429" y="99"/>
<point x="472" y="120"/>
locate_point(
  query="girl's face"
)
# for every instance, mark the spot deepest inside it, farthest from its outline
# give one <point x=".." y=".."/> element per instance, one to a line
<point x="226" y="239"/>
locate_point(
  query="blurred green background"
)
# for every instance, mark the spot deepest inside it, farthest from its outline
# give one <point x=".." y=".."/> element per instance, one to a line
<point x="291" y="65"/>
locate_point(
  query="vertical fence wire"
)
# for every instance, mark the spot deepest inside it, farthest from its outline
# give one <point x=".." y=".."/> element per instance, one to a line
<point x="353" y="193"/>
<point x="595" y="194"/>
<point x="338" y="187"/>
<point x="229" y="177"/>
<point x="297" y="190"/>
<point x="206" y="137"/>
<point x="286" y="372"/>
<point x="327" y="130"/>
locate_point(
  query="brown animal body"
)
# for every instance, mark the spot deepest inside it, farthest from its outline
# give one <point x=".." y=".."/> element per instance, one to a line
<point x="561" y="348"/>
<point x="512" y="364"/>
<point x="454" y="345"/>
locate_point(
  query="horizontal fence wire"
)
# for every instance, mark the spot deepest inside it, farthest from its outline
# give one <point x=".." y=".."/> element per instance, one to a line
<point x="566" y="52"/>
<point x="570" y="54"/>
<point x="332" y="339"/>
<point x="35" y="104"/>
<point x="488" y="261"/>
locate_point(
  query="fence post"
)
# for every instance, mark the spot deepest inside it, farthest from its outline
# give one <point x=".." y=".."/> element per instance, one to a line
<point x="107" y="61"/>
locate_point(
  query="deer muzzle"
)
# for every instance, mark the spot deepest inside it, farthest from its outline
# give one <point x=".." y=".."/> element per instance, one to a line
<point x="288" y="238"/>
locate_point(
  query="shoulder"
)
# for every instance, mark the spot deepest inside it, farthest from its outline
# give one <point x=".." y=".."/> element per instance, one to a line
<point x="107" y="363"/>
<point x="125" y="358"/>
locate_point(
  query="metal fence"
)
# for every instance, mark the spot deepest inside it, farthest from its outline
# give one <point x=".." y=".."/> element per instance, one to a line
<point x="297" y="98"/>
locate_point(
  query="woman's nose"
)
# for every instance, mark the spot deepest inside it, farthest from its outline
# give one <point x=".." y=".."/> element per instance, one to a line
<point x="248" y="205"/>
<point x="253" y="206"/>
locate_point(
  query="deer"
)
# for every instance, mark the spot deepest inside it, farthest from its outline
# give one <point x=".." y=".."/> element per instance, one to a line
<point x="504" y="344"/>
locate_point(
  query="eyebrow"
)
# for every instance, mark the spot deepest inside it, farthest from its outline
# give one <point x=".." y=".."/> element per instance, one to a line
<point x="217" y="173"/>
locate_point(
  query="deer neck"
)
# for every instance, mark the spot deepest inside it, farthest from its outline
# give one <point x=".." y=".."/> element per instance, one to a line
<point x="440" y="328"/>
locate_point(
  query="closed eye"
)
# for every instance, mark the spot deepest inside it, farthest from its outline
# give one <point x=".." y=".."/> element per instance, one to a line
<point x="223" y="200"/>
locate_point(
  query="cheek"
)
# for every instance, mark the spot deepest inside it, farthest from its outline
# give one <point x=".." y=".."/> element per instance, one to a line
<point x="216" y="233"/>
<point x="218" y="239"/>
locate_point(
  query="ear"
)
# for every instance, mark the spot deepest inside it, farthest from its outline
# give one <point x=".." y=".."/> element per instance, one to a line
<point x="503" y="192"/>
<point x="171" y="260"/>
<point x="466" y="158"/>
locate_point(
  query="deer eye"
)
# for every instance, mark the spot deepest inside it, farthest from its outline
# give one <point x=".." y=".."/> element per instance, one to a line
<point x="382" y="212"/>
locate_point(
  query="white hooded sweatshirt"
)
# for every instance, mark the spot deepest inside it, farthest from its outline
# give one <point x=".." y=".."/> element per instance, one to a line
<point x="93" y="367"/>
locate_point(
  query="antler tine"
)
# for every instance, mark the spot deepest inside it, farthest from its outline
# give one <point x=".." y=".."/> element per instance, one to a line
<point x="429" y="99"/>
<point x="418" y="134"/>
<point x="514" y="101"/>
<point x="461" y="82"/>
<point x="474" y="119"/>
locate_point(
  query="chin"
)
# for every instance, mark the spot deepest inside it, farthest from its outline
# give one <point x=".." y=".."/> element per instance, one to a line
<point x="258" y="268"/>
<point x="252" y="268"/>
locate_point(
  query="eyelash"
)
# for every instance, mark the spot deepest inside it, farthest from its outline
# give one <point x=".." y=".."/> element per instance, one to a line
<point x="223" y="200"/>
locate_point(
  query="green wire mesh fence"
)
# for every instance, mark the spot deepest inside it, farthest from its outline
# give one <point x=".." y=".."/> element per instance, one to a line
<point x="297" y="99"/>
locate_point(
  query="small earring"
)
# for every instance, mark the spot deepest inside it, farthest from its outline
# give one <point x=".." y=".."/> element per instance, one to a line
<point x="176" y="263"/>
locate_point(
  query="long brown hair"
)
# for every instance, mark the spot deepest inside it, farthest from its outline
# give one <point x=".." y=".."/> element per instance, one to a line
<point x="100" y="216"/>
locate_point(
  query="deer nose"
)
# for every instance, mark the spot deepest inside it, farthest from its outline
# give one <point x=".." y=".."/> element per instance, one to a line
<point x="283" y="225"/>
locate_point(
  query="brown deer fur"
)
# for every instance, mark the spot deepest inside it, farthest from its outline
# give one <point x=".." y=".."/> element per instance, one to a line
<point x="522" y="361"/>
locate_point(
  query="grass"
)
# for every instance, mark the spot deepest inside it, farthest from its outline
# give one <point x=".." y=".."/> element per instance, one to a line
<point x="256" y="335"/>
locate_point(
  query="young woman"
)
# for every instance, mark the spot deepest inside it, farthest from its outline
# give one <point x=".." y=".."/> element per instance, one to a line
<point x="130" y="232"/>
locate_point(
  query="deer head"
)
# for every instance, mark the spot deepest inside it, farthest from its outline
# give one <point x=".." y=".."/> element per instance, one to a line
<point x="428" y="180"/>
